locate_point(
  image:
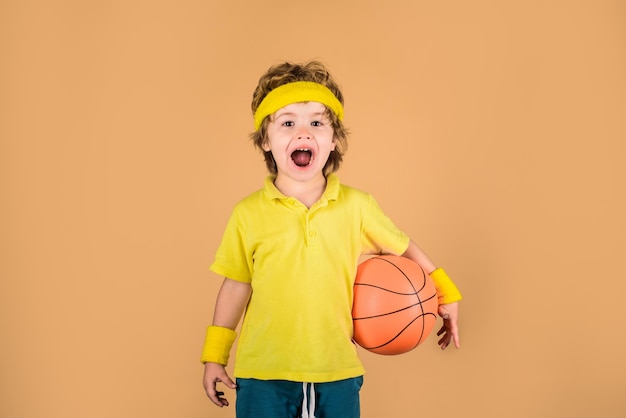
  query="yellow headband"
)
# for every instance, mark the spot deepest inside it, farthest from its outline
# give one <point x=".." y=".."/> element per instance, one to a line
<point x="297" y="92"/>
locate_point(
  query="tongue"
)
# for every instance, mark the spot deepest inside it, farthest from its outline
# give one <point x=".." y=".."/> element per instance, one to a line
<point x="301" y="158"/>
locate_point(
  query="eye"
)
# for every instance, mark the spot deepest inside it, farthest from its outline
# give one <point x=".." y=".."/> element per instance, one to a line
<point x="288" y="123"/>
<point x="316" y="123"/>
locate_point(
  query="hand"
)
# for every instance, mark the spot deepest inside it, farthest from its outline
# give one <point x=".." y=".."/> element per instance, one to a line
<point x="450" y="330"/>
<point x="214" y="373"/>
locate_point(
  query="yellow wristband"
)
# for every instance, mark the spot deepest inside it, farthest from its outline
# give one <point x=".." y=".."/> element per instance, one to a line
<point x="217" y="345"/>
<point x="447" y="291"/>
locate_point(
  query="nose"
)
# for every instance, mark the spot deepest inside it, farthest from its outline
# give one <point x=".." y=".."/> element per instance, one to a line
<point x="303" y="133"/>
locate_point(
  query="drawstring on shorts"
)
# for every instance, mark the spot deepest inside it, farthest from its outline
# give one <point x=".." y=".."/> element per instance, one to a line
<point x="308" y="411"/>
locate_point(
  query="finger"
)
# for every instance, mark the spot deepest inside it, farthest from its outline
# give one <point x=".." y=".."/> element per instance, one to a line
<point x="444" y="341"/>
<point x="225" y="379"/>
<point x="214" y="395"/>
<point x="444" y="344"/>
<point x="455" y="336"/>
<point x="216" y="398"/>
<point x="223" y="401"/>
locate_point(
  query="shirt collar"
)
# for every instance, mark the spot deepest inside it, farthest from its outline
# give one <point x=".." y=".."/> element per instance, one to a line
<point x="331" y="192"/>
<point x="332" y="187"/>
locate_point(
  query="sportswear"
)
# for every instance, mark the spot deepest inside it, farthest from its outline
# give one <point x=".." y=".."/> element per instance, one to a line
<point x="301" y="263"/>
<point x="283" y="398"/>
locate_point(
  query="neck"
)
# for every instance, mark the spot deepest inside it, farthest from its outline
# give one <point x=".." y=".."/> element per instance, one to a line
<point x="308" y="192"/>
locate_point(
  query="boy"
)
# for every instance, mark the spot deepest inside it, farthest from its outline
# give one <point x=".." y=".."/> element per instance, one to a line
<point x="289" y="257"/>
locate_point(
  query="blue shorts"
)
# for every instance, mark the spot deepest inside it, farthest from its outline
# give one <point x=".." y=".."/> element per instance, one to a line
<point x="286" y="399"/>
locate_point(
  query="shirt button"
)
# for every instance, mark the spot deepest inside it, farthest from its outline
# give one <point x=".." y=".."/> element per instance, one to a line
<point x="312" y="233"/>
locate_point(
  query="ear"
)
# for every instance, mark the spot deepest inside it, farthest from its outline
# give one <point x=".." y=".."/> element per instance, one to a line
<point x="266" y="145"/>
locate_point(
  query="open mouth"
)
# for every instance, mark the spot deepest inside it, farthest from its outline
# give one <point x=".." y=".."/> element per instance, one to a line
<point x="302" y="157"/>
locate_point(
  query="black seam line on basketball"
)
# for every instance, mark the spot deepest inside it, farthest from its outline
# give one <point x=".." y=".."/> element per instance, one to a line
<point x="419" y="303"/>
<point x="419" y="300"/>
<point x="402" y="330"/>
<point x="386" y="290"/>
<point x="407" y="278"/>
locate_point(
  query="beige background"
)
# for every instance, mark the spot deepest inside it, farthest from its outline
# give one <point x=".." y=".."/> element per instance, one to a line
<point x="493" y="132"/>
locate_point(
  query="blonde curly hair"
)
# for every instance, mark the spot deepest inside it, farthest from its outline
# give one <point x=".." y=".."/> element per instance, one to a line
<point x="313" y="71"/>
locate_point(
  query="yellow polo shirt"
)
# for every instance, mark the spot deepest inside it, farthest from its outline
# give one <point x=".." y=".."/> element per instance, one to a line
<point x="301" y="264"/>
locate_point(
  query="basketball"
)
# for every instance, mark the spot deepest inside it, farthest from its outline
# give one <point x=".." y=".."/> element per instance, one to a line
<point x="395" y="305"/>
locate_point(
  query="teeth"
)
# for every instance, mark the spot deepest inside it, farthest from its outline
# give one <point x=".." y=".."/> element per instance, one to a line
<point x="299" y="161"/>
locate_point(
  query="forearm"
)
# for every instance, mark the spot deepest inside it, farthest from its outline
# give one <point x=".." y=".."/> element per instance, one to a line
<point x="446" y="289"/>
<point x="415" y="253"/>
<point x="231" y="303"/>
<point x="229" y="307"/>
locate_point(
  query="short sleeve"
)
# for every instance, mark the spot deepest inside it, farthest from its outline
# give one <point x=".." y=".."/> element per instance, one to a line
<point x="233" y="258"/>
<point x="380" y="234"/>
